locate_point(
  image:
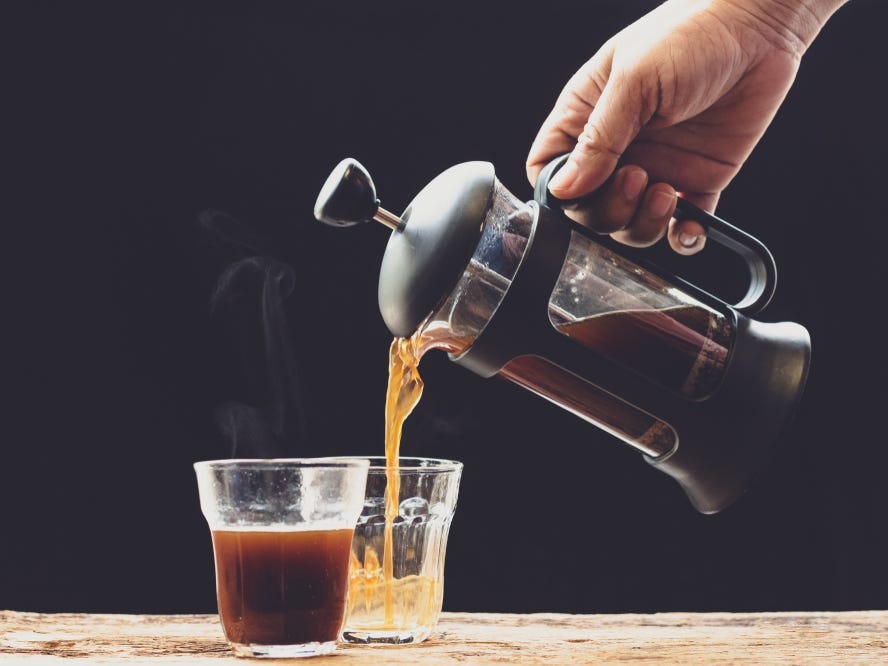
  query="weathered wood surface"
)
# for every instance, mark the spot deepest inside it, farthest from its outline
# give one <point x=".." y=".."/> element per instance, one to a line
<point x="712" y="638"/>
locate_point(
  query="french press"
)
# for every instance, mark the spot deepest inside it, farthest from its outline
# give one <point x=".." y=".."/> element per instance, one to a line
<point x="521" y="291"/>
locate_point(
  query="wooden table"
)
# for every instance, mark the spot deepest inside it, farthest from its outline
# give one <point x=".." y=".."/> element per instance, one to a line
<point x="474" y="638"/>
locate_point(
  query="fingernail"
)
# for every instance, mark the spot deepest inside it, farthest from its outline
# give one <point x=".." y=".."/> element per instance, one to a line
<point x="660" y="203"/>
<point x="565" y="177"/>
<point x="687" y="240"/>
<point x="634" y="181"/>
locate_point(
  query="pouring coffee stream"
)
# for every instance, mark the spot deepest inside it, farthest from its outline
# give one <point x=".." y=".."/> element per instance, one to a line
<point x="518" y="290"/>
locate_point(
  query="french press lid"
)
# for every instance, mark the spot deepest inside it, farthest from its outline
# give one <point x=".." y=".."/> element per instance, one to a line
<point x="431" y="243"/>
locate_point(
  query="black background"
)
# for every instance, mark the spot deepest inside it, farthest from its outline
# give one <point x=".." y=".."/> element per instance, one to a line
<point x="125" y="123"/>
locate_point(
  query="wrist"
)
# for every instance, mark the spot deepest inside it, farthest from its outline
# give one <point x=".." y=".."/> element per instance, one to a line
<point x="792" y="24"/>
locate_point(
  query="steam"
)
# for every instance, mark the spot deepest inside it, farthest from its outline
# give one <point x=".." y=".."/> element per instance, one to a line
<point x="248" y="301"/>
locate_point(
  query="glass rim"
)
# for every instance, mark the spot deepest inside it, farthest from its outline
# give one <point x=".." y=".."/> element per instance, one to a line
<point x="432" y="465"/>
<point x="354" y="462"/>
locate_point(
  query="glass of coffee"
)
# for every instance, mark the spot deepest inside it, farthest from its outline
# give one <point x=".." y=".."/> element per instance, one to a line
<point x="396" y="569"/>
<point x="282" y="532"/>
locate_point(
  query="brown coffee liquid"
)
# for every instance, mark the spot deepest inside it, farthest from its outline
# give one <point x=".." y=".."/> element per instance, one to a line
<point x="281" y="587"/>
<point x="684" y="348"/>
<point x="575" y="394"/>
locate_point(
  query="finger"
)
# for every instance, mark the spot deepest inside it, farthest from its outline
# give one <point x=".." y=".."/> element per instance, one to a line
<point x="614" y="204"/>
<point x="686" y="237"/>
<point x="689" y="236"/>
<point x="652" y="217"/>
<point x="613" y="123"/>
<point x="551" y="141"/>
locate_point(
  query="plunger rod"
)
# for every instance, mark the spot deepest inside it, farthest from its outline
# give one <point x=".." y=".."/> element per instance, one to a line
<point x="390" y="220"/>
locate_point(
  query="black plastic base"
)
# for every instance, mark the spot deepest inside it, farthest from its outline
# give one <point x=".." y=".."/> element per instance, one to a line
<point x="720" y="455"/>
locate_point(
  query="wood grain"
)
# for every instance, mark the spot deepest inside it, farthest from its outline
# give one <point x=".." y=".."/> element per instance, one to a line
<point x="463" y="638"/>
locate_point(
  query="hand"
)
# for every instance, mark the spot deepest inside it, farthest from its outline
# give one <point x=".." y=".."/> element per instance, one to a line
<point x="677" y="100"/>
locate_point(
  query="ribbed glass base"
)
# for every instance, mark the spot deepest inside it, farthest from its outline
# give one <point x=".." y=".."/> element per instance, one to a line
<point x="392" y="637"/>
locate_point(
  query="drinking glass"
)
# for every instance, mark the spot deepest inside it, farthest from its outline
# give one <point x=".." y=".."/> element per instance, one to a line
<point x="281" y="533"/>
<point x="402" y="607"/>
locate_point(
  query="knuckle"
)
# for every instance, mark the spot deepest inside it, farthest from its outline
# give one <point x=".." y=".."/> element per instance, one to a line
<point x="593" y="141"/>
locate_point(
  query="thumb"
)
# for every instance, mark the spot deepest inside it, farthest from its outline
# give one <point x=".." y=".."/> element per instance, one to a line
<point x="613" y="123"/>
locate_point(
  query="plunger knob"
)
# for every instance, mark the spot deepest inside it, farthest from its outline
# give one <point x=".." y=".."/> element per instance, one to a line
<point x="348" y="198"/>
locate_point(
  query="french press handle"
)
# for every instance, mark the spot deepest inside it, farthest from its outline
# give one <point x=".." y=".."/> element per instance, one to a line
<point x="757" y="257"/>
